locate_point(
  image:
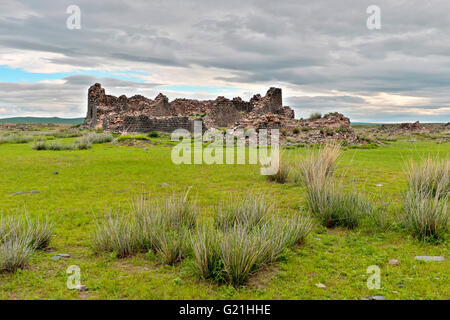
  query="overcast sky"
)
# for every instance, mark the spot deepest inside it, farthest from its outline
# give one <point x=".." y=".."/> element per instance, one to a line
<point x="320" y="53"/>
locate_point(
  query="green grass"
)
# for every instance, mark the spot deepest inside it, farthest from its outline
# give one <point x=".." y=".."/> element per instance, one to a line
<point x="107" y="177"/>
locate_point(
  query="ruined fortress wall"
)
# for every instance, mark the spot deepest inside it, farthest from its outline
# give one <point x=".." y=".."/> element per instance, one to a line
<point x="146" y="124"/>
<point x="141" y="114"/>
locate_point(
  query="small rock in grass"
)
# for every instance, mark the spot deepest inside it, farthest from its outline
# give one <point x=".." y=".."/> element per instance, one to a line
<point x="165" y="185"/>
<point x="379" y="185"/>
<point x="394" y="261"/>
<point x="34" y="191"/>
<point x="60" y="255"/>
<point x="317" y="238"/>
<point x="395" y="292"/>
<point x="377" y="298"/>
<point x="56" y="172"/>
<point x="17" y="193"/>
<point x="81" y="287"/>
<point x="430" y="258"/>
<point x="401" y="285"/>
<point x="321" y="286"/>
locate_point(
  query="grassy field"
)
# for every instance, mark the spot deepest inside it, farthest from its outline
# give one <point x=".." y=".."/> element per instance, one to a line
<point x="91" y="183"/>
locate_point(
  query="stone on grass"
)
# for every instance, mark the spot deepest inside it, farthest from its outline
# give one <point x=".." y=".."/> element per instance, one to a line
<point x="321" y="286"/>
<point x="34" y="191"/>
<point x="394" y="261"/>
<point x="165" y="185"/>
<point x="377" y="298"/>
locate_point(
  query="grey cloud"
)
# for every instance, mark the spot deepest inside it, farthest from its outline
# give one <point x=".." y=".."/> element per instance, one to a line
<point x="312" y="46"/>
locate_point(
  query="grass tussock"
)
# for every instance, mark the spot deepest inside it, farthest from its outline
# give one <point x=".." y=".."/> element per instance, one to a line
<point x="245" y="237"/>
<point x="426" y="215"/>
<point x="249" y="211"/>
<point x="284" y="170"/>
<point x="15" y="138"/>
<point x="20" y="237"/>
<point x="335" y="206"/>
<point x="429" y="176"/>
<point x="158" y="225"/>
<point x="318" y="166"/>
<point x="426" y="200"/>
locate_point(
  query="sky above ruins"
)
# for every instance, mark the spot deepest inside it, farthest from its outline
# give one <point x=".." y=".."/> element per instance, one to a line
<point x="321" y="53"/>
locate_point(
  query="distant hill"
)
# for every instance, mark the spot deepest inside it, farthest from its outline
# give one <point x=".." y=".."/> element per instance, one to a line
<point x="54" y="120"/>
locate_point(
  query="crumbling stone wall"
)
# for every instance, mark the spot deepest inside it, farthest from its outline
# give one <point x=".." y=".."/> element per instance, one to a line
<point x="147" y="124"/>
<point x="140" y="113"/>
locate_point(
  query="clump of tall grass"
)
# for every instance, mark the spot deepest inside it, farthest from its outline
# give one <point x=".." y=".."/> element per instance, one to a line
<point x="426" y="215"/>
<point x="335" y="206"/>
<point x="52" y="145"/>
<point x="172" y="245"/>
<point x="205" y="246"/>
<point x="318" y="166"/>
<point x="284" y="170"/>
<point x="15" y="138"/>
<point x="83" y="143"/>
<point x="15" y="252"/>
<point x="250" y="210"/>
<point x="428" y="176"/>
<point x="326" y="198"/>
<point x="245" y="237"/>
<point x="19" y="238"/>
<point x="98" y="138"/>
<point x="158" y="225"/>
<point x="116" y="234"/>
<point x="426" y="200"/>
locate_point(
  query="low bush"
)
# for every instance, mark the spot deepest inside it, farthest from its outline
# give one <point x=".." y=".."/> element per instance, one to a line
<point x="315" y="116"/>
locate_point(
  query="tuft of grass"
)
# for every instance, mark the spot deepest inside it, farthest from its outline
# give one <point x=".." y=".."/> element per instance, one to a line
<point x="318" y="166"/>
<point x="171" y="245"/>
<point x="15" y="138"/>
<point x="19" y="238"/>
<point x="428" y="176"/>
<point x="425" y="215"/>
<point x="284" y="170"/>
<point x="132" y="137"/>
<point x="158" y="225"/>
<point x="241" y="252"/>
<point x="83" y="143"/>
<point x="249" y="211"/>
<point x="99" y="137"/>
<point x="116" y="234"/>
<point x="315" y="116"/>
<point x="15" y="252"/>
<point x="335" y="206"/>
<point x="205" y="246"/>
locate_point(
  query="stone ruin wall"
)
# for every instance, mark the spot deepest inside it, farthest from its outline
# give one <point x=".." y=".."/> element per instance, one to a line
<point x="140" y="114"/>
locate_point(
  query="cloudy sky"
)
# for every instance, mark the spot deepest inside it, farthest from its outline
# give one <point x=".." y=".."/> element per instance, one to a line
<point x="320" y="53"/>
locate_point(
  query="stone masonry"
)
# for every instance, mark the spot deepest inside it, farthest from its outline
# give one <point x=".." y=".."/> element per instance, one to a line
<point x="140" y="114"/>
